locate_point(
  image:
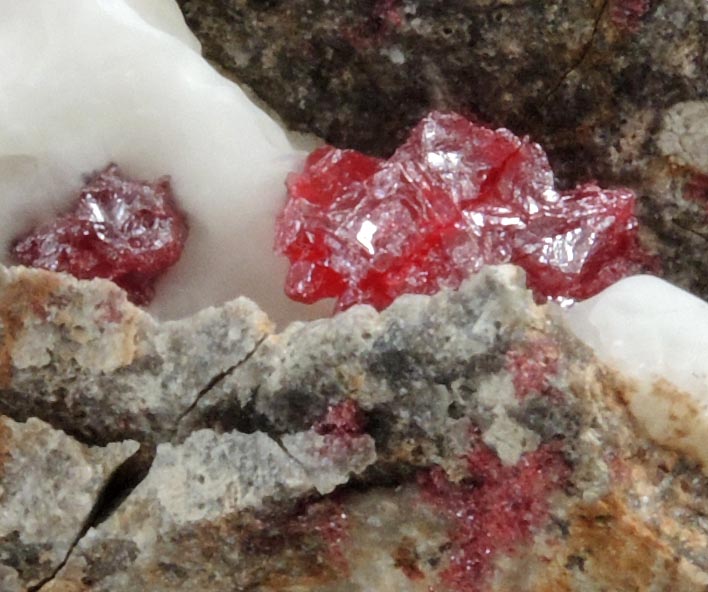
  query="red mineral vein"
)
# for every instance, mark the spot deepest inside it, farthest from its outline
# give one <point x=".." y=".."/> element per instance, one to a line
<point x="492" y="512"/>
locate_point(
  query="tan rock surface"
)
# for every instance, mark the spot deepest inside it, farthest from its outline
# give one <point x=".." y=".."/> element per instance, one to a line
<point x="80" y="356"/>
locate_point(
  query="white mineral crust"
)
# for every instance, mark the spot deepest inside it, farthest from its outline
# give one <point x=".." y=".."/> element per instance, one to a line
<point x="122" y="81"/>
<point x="656" y="335"/>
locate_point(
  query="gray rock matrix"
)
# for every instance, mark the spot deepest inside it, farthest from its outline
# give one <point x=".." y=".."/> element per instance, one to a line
<point x="242" y="484"/>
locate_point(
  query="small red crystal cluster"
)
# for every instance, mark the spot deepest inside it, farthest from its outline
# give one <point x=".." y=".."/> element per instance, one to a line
<point x="454" y="197"/>
<point x="492" y="512"/>
<point x="124" y="230"/>
<point x="328" y="523"/>
<point x="342" y="427"/>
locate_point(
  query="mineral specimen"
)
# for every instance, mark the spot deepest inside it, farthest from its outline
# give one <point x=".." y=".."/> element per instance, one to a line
<point x="454" y="197"/>
<point x="494" y="511"/>
<point x="122" y="375"/>
<point x="120" y="229"/>
<point x="657" y="336"/>
<point x="590" y="81"/>
<point x="461" y="441"/>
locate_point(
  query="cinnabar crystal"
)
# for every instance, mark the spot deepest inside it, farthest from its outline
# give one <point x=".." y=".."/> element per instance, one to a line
<point x="494" y="511"/>
<point x="455" y="196"/>
<point x="124" y="230"/>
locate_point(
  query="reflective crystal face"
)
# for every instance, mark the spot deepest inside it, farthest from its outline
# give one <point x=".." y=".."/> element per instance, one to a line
<point x="454" y="197"/>
<point x="120" y="229"/>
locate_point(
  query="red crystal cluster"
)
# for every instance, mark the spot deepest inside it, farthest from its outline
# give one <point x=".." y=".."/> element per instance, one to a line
<point x="120" y="229"/>
<point x="327" y="522"/>
<point x="342" y="427"/>
<point x="453" y="197"/>
<point x="492" y="512"/>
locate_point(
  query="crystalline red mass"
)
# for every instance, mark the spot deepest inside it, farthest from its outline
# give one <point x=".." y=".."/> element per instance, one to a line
<point x="120" y="229"/>
<point x="492" y="512"/>
<point x="453" y="197"/>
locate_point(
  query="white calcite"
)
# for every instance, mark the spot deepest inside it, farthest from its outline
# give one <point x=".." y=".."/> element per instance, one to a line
<point x="122" y="81"/>
<point x="656" y="335"/>
<point x="166" y="16"/>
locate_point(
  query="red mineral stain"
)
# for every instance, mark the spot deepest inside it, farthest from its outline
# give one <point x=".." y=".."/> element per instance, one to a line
<point x="696" y="189"/>
<point x="532" y="366"/>
<point x="329" y="522"/>
<point x="454" y="197"/>
<point x="342" y="419"/>
<point x="627" y="14"/>
<point x="120" y="229"/>
<point x="342" y="427"/>
<point x="492" y="512"/>
<point x="388" y="11"/>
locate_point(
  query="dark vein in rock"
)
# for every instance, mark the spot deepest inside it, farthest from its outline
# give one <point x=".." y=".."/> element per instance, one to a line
<point x="126" y="477"/>
<point x="213" y="383"/>
<point x="583" y="53"/>
<point x="690" y="230"/>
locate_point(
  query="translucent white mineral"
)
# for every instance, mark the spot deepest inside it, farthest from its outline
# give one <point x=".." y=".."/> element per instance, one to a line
<point x="656" y="335"/>
<point x="101" y="81"/>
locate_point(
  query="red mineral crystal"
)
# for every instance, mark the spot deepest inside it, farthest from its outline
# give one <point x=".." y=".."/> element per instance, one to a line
<point x="124" y="230"/>
<point x="342" y="427"/>
<point x="454" y="197"/>
<point x="494" y="511"/>
<point x="328" y="523"/>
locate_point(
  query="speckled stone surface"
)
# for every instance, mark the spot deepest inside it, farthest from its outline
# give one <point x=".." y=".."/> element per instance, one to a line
<point x="257" y="487"/>
<point x="49" y="485"/>
<point x="599" y="84"/>
<point x="80" y="356"/>
<point x="407" y="366"/>
<point x="181" y="528"/>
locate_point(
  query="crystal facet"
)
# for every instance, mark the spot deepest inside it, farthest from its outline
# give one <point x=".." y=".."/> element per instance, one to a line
<point x="453" y="197"/>
<point x="120" y="229"/>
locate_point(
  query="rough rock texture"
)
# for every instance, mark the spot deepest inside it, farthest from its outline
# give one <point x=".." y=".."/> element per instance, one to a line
<point x="349" y="454"/>
<point x="183" y="527"/>
<point x="49" y="487"/>
<point x="78" y="355"/>
<point x="601" y="85"/>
